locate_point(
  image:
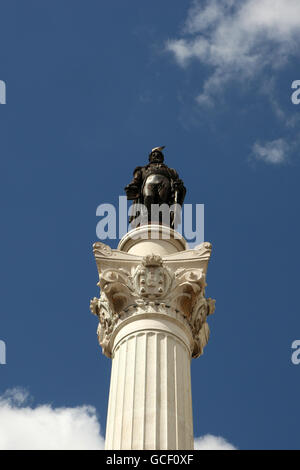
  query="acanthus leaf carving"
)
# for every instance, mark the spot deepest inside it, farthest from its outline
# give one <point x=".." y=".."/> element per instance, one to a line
<point x="187" y="286"/>
<point x="116" y="285"/>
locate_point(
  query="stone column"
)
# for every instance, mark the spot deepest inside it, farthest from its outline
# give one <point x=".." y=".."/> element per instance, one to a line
<point x="152" y="320"/>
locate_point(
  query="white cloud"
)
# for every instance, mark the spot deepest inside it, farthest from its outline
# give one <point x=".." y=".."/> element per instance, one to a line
<point x="274" y="152"/>
<point x="210" y="442"/>
<point x="44" y="427"/>
<point x="238" y="40"/>
<point x="23" y="427"/>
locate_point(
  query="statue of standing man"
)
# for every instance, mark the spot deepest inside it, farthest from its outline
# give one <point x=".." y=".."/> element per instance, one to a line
<point x="155" y="185"/>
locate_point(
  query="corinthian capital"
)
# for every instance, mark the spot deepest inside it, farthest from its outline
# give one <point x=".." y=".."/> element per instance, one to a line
<point x="172" y="286"/>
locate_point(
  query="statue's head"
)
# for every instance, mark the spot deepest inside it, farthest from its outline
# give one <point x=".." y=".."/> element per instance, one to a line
<point x="156" y="156"/>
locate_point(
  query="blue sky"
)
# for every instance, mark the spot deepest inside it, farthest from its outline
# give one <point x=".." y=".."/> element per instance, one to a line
<point x="91" y="88"/>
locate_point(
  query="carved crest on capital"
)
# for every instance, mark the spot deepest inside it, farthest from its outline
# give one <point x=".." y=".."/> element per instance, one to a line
<point x="151" y="279"/>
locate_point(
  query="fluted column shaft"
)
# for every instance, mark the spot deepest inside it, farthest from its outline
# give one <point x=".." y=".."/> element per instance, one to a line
<point x="150" y="404"/>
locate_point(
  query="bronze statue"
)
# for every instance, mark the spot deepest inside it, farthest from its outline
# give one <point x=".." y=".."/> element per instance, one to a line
<point x="158" y="184"/>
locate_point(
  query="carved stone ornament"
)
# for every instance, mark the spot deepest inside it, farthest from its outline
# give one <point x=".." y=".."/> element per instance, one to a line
<point x="172" y="285"/>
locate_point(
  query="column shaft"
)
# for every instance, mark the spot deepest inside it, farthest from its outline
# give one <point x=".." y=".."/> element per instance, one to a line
<point x="150" y="404"/>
